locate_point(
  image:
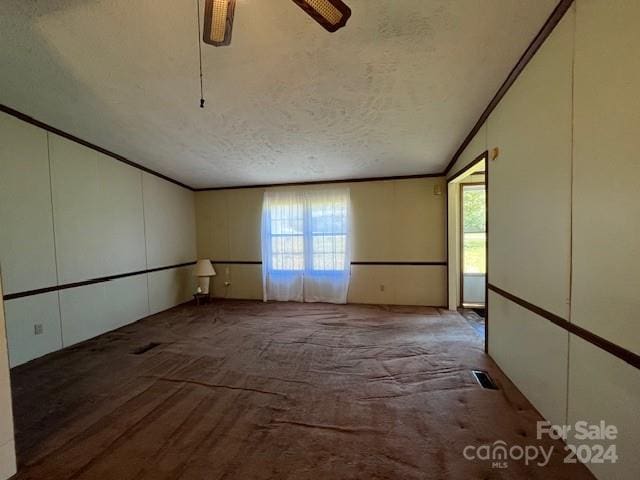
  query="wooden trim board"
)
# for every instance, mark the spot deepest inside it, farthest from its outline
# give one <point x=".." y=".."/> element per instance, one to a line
<point x="66" y="286"/>
<point x="631" y="358"/>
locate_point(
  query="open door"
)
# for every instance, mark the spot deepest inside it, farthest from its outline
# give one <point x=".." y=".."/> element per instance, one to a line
<point x="473" y="228"/>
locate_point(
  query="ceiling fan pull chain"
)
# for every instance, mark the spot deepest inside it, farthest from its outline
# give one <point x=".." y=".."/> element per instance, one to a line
<point x="202" y="101"/>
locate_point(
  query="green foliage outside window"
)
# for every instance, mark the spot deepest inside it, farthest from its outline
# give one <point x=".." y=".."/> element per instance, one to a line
<point x="474" y="224"/>
<point x="475" y="220"/>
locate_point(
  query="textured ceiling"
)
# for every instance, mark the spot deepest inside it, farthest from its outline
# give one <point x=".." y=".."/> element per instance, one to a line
<point x="393" y="93"/>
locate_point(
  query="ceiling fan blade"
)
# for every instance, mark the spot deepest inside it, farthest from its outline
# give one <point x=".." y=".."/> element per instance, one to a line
<point x="331" y="14"/>
<point x="218" y="22"/>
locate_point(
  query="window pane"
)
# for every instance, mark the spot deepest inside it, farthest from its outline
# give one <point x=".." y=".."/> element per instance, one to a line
<point x="328" y="218"/>
<point x="287" y="244"/>
<point x="474" y="208"/>
<point x="474" y="254"/>
<point x="328" y="229"/>
<point x="288" y="261"/>
<point x="329" y="243"/>
<point x="286" y="219"/>
<point x="329" y="252"/>
<point x="474" y="228"/>
<point x="287" y="252"/>
<point x="328" y="261"/>
<point x="287" y="241"/>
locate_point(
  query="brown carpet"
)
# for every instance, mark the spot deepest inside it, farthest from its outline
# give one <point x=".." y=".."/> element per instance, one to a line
<point x="245" y="390"/>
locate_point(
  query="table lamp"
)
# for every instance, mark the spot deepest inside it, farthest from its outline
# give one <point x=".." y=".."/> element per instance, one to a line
<point x="204" y="271"/>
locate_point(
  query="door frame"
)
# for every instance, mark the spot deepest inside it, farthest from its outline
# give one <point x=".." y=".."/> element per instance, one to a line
<point x="453" y="236"/>
<point x="8" y="454"/>
<point x="461" y="240"/>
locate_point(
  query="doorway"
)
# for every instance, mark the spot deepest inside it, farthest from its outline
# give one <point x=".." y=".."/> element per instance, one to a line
<point x="468" y="243"/>
<point x="473" y="228"/>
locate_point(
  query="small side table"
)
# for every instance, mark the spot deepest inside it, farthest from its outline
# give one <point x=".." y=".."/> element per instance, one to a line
<point x="201" y="298"/>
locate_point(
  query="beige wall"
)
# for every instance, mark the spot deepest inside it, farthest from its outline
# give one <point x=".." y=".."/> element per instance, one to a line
<point x="606" y="191"/>
<point x="530" y="182"/>
<point x="168" y="288"/>
<point x="7" y="446"/>
<point x="606" y="222"/>
<point x="26" y="237"/>
<point x="564" y="223"/>
<point x="533" y="353"/>
<point x="393" y="221"/>
<point x="169" y="222"/>
<point x="97" y="212"/>
<point x="71" y="214"/>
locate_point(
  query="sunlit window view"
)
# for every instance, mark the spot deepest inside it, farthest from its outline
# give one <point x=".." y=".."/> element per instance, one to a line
<point x="326" y="232"/>
<point x="305" y="245"/>
<point x="474" y="229"/>
<point x="287" y="236"/>
<point x="328" y="236"/>
<point x="474" y="245"/>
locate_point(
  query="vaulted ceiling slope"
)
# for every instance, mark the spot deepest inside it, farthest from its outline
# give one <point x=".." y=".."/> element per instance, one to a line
<point x="393" y="93"/>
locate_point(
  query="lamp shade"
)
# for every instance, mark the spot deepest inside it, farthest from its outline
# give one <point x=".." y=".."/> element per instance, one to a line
<point x="331" y="14"/>
<point x="218" y="22"/>
<point x="204" y="268"/>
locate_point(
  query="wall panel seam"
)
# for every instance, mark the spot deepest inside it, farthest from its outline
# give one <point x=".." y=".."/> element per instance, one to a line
<point x="571" y="191"/>
<point x="146" y="249"/>
<point x="53" y="231"/>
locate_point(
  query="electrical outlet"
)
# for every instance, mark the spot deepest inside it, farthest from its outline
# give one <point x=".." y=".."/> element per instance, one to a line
<point x="382" y="288"/>
<point x="226" y="271"/>
<point x="38" y="329"/>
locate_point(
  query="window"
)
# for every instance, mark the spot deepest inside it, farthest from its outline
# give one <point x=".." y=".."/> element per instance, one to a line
<point x="474" y="244"/>
<point x="305" y="241"/>
<point x="474" y="228"/>
<point x="287" y="237"/>
<point x="328" y="235"/>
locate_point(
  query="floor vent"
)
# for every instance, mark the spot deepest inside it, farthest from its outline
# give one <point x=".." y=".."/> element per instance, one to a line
<point x="484" y="379"/>
<point x="145" y="349"/>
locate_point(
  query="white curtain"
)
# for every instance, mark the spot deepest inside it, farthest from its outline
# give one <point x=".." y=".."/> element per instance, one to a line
<point x="305" y="245"/>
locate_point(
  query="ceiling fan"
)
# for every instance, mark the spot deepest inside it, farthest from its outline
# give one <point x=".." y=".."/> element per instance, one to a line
<point x="218" y="17"/>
